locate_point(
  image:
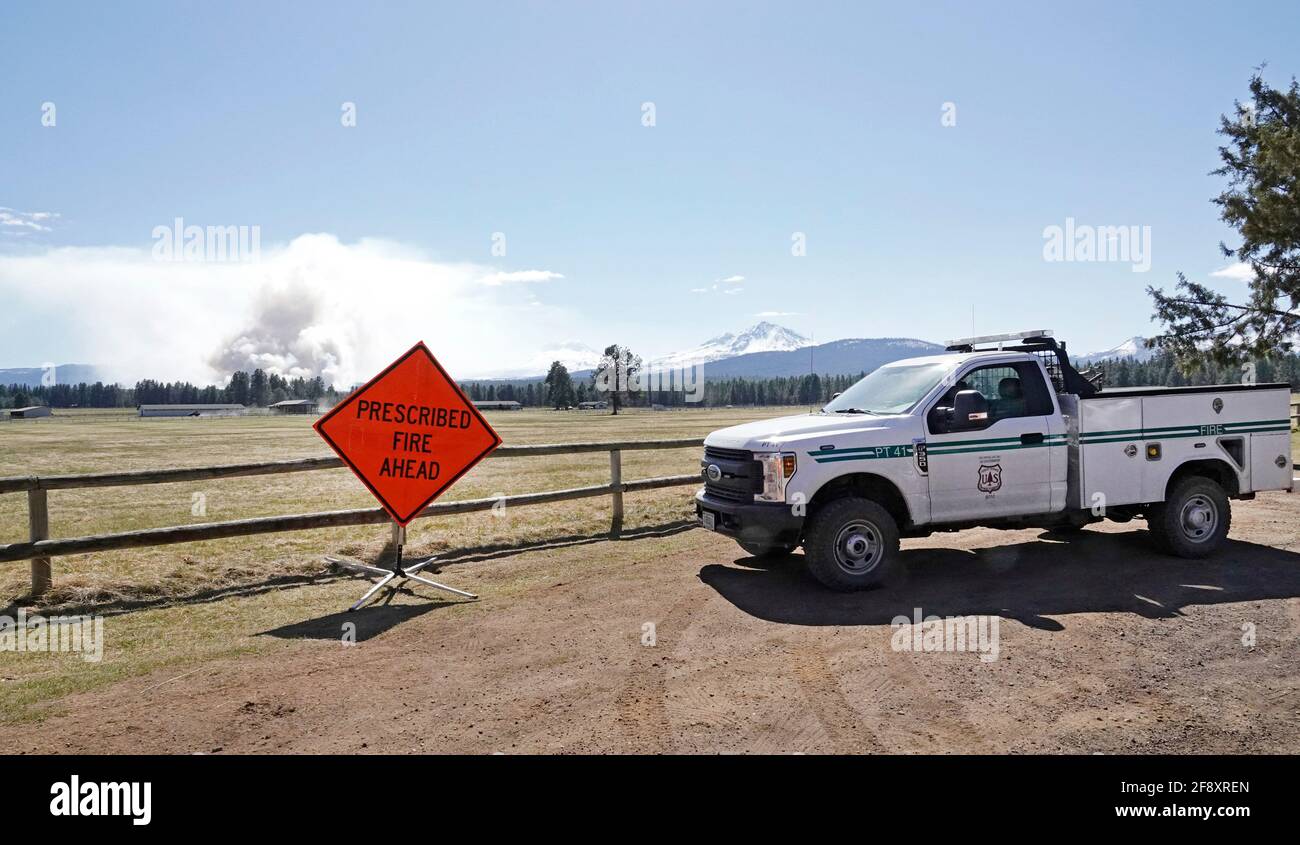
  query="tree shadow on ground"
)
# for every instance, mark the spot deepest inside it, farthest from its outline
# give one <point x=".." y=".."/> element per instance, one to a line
<point x="1029" y="582"/>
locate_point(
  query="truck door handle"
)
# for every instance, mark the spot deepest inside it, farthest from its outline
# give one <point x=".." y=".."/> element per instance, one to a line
<point x="1034" y="437"/>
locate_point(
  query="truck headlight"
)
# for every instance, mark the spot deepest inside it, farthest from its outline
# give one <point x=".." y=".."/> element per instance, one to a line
<point x="778" y="467"/>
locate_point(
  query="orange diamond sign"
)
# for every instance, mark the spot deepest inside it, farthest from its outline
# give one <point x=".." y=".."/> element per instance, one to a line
<point x="409" y="433"/>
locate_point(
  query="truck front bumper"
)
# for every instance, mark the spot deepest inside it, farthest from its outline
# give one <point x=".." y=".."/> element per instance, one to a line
<point x="761" y="523"/>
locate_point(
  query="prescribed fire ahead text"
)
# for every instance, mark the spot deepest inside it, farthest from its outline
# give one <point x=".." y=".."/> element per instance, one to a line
<point x="422" y="415"/>
<point x="410" y="467"/>
<point x="409" y="433"/>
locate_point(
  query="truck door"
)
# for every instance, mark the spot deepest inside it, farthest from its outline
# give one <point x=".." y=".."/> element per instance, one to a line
<point x="1001" y="465"/>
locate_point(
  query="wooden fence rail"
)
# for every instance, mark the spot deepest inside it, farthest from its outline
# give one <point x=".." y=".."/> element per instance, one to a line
<point x="40" y="548"/>
<point x="168" y="476"/>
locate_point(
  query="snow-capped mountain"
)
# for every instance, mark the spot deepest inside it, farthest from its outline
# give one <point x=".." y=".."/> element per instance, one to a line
<point x="760" y="337"/>
<point x="761" y="351"/>
<point x="838" y="357"/>
<point x="1134" y="347"/>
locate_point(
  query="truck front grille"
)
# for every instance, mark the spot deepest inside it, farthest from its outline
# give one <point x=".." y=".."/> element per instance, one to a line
<point x="730" y="494"/>
<point x="742" y="476"/>
<point x="713" y="452"/>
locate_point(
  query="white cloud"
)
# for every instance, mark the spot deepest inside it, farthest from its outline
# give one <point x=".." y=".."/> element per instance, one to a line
<point x="519" y="276"/>
<point x="1239" y="272"/>
<point x="770" y="314"/>
<point x="312" y="306"/>
<point x="13" y="221"/>
<point x="718" y="286"/>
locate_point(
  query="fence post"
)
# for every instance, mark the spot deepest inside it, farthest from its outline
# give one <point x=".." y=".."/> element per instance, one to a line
<point x="38" y="520"/>
<point x="616" y="480"/>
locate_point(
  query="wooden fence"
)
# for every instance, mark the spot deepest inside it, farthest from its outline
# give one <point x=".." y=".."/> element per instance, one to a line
<point x="40" y="548"/>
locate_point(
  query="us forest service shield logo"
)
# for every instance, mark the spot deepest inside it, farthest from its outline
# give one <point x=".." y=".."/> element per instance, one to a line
<point x="990" y="478"/>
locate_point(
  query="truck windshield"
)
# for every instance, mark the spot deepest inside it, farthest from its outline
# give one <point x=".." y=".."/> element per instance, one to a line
<point x="888" y="390"/>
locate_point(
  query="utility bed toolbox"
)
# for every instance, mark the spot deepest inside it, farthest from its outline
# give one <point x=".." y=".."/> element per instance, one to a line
<point x="1132" y="439"/>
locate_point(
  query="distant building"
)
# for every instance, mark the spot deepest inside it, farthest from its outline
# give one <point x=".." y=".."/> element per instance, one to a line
<point x="296" y="406"/>
<point x="596" y="405"/>
<point x="497" y="405"/>
<point x="30" y="412"/>
<point x="191" y="410"/>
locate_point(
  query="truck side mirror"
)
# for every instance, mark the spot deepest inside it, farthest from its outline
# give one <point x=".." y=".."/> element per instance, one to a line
<point x="970" y="410"/>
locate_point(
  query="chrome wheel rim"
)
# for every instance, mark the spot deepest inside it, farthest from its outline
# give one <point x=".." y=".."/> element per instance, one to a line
<point x="1198" y="518"/>
<point x="858" y="548"/>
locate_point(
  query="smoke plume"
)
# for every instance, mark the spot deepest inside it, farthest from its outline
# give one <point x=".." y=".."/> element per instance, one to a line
<point x="286" y="337"/>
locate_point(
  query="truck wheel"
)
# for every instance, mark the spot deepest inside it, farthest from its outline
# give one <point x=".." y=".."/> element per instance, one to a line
<point x="765" y="550"/>
<point x="852" y="544"/>
<point x="1193" y="521"/>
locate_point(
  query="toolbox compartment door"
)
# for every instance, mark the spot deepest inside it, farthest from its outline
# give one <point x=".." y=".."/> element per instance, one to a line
<point x="1265" y="450"/>
<point x="1110" y="438"/>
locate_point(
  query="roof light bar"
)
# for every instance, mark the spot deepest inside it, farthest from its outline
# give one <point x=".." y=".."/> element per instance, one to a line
<point x="998" y="338"/>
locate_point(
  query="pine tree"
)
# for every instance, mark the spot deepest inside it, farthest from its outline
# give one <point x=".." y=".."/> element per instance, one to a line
<point x="559" y="386"/>
<point x="1262" y="202"/>
<point x="616" y="373"/>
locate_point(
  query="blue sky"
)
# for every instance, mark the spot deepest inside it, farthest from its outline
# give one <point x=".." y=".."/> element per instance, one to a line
<point x="526" y="119"/>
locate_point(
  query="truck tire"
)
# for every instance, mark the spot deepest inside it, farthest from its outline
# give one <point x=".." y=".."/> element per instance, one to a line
<point x="852" y="544"/>
<point x="767" y="551"/>
<point x="1193" y="521"/>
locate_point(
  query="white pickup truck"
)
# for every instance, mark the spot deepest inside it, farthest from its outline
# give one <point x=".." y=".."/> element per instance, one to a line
<point x="1000" y="431"/>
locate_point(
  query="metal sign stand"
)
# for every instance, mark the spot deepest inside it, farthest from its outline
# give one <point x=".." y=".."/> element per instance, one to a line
<point x="398" y="571"/>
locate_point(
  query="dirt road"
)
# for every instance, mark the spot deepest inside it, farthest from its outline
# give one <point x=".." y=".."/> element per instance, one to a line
<point x="680" y="643"/>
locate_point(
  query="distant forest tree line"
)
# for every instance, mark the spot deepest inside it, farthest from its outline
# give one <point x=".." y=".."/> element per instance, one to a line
<point x="256" y="389"/>
<point x="559" y="389"/>
<point x="793" y="390"/>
